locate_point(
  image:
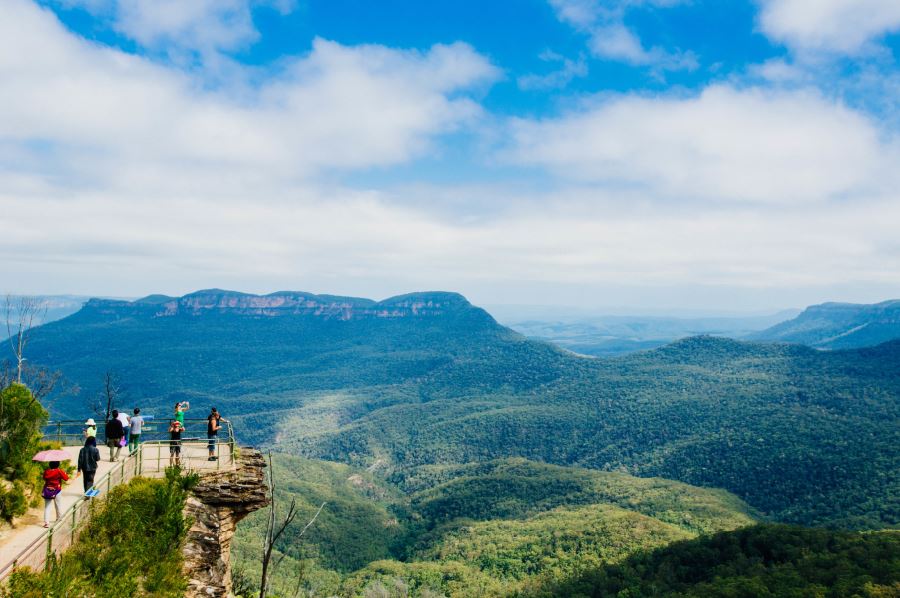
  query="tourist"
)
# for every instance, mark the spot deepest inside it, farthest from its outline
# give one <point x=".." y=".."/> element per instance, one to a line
<point x="88" y="457"/>
<point x="53" y="479"/>
<point x="90" y="428"/>
<point x="126" y="424"/>
<point x="137" y="423"/>
<point x="175" y="430"/>
<point x="212" y="432"/>
<point x="115" y="435"/>
<point x="180" y="408"/>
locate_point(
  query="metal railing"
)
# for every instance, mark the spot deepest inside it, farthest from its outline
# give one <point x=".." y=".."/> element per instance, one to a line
<point x="70" y="432"/>
<point x="150" y="459"/>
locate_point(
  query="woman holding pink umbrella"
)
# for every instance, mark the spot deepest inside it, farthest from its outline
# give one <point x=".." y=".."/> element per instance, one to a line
<point x="53" y="479"/>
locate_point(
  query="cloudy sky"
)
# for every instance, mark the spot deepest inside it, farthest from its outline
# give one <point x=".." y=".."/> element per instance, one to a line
<point x="647" y="154"/>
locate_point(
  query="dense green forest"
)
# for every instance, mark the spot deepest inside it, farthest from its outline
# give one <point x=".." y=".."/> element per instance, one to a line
<point x="804" y="436"/>
<point x="532" y="530"/>
<point x="495" y="526"/>
<point x="758" y="562"/>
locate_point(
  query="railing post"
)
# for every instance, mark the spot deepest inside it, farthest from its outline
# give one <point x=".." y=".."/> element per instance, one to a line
<point x="74" y="519"/>
<point x="59" y="432"/>
<point x="49" y="548"/>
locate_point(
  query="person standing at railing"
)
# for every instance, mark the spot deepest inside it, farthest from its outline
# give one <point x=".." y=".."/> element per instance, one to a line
<point x="115" y="435"/>
<point x="175" y="431"/>
<point x="90" y="429"/>
<point x="53" y="479"/>
<point x="88" y="458"/>
<point x="212" y="431"/>
<point x="180" y="408"/>
<point x="137" y="423"/>
<point x="126" y="423"/>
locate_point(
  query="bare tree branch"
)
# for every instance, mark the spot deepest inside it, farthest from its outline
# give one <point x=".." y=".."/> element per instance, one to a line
<point x="111" y="392"/>
<point x="274" y="532"/>
<point x="27" y="309"/>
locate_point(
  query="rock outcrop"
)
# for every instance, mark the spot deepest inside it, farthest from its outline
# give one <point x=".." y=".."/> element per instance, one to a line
<point x="215" y="507"/>
<point x="282" y="303"/>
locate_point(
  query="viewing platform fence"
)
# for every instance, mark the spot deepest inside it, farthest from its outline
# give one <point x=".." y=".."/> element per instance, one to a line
<point x="71" y="432"/>
<point x="150" y="459"/>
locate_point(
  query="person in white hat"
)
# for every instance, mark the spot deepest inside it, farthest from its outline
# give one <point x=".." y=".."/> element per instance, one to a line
<point x="90" y="428"/>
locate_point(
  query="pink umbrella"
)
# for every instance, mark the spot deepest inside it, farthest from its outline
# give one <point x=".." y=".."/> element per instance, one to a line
<point x="51" y="455"/>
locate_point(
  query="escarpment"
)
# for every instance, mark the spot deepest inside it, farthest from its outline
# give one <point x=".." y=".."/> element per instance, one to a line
<point x="215" y="507"/>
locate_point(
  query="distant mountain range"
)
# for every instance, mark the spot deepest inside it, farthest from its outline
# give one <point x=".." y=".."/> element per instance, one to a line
<point x="826" y="326"/>
<point x="838" y="326"/>
<point x="606" y="336"/>
<point x="427" y="380"/>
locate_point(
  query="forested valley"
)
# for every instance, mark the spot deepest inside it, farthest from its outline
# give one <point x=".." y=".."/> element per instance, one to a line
<point x="457" y="457"/>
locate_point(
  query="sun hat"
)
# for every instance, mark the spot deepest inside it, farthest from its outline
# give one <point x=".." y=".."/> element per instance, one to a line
<point x="90" y="422"/>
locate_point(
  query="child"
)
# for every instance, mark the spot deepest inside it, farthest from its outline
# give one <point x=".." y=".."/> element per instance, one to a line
<point x="53" y="479"/>
<point x="175" y="430"/>
<point x="90" y="428"/>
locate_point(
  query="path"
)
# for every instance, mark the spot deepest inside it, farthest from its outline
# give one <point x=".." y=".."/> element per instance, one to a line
<point x="155" y="459"/>
<point x="30" y="525"/>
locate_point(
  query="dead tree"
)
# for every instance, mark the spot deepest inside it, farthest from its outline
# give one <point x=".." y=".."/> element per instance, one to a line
<point x="21" y="313"/>
<point x="108" y="396"/>
<point x="274" y="531"/>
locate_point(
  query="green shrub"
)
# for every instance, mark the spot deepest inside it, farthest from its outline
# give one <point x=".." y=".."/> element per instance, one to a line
<point x="131" y="547"/>
<point x="21" y="419"/>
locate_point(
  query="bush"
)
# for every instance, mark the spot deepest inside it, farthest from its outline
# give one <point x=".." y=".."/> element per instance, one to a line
<point x="130" y="547"/>
<point x="21" y="419"/>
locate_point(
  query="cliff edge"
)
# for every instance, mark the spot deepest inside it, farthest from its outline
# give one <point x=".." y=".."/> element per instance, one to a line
<point x="215" y="507"/>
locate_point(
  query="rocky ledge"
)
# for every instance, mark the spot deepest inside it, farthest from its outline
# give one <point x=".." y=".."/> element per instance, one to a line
<point x="215" y="507"/>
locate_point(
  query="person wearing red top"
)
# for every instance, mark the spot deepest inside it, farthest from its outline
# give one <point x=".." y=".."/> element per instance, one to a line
<point x="53" y="479"/>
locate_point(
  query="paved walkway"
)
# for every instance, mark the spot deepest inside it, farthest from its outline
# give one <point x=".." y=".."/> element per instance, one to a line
<point x="30" y="526"/>
<point x="155" y="459"/>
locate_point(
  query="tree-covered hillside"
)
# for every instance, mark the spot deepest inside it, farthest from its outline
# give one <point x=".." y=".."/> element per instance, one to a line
<point x="839" y="326"/>
<point x="759" y="562"/>
<point x="428" y="380"/>
<point x="492" y="527"/>
<point x="804" y="436"/>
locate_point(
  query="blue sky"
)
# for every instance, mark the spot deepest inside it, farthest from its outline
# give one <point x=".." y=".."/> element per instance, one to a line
<point x="654" y="154"/>
<point x="522" y="37"/>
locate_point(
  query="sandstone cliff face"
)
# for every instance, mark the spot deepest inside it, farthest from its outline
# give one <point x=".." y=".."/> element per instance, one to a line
<point x="216" y="506"/>
<point x="285" y="303"/>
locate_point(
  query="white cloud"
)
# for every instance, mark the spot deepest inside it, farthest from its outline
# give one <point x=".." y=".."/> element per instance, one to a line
<point x="557" y="79"/>
<point x="724" y="144"/>
<point x="839" y="26"/>
<point x="177" y="26"/>
<point x="120" y="176"/>
<point x="351" y="242"/>
<point x="104" y="117"/>
<point x="603" y="21"/>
